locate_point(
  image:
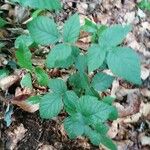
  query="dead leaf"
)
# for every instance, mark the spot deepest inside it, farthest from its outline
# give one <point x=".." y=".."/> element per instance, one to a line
<point x="20" y="96"/>
<point x="8" y="81"/>
<point x="131" y="108"/>
<point x="26" y="106"/>
<point x="47" y="147"/>
<point x="15" y="136"/>
<point x="113" y="130"/>
<point x="145" y="140"/>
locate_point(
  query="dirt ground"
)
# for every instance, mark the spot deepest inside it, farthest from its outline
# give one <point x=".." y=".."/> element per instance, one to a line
<point x="131" y="131"/>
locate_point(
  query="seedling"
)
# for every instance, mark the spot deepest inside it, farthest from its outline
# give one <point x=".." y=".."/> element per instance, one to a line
<point x="80" y="96"/>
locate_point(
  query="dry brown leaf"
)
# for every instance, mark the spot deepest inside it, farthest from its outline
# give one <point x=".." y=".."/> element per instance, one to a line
<point x="113" y="130"/>
<point x="8" y="81"/>
<point x="47" y="147"/>
<point x="20" y="96"/>
<point x="131" y="108"/>
<point x="145" y="140"/>
<point x="15" y="136"/>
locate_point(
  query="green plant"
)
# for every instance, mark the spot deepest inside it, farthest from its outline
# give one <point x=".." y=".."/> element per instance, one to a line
<point x="40" y="4"/>
<point x="88" y="111"/>
<point x="144" y="4"/>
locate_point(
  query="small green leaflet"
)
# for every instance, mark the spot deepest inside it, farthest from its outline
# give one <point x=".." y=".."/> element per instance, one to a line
<point x="57" y="86"/>
<point x="41" y="76"/>
<point x="23" y="56"/>
<point x="125" y="63"/>
<point x="66" y="63"/>
<point x="89" y="26"/>
<point x="96" y="138"/>
<point x="50" y="105"/>
<point x="3" y="73"/>
<point x="81" y="63"/>
<point x="96" y="57"/>
<point x="2" y="22"/>
<point x="34" y="99"/>
<point x="70" y="101"/>
<point x="71" y="29"/>
<point x="26" y="81"/>
<point x="74" y="125"/>
<point x="109" y="100"/>
<point x="94" y="110"/>
<point x="43" y="30"/>
<point x="24" y="38"/>
<point x="102" y="81"/>
<point x="144" y="4"/>
<point x="113" y="36"/>
<point x="40" y="4"/>
<point x="59" y="53"/>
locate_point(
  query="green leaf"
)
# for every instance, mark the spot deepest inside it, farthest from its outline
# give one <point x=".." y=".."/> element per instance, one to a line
<point x="24" y="38"/>
<point x="144" y="4"/>
<point x="40" y="4"/>
<point x="58" y="54"/>
<point x="70" y="101"/>
<point x="74" y="125"/>
<point x="93" y="135"/>
<point x="113" y="36"/>
<point x="96" y="57"/>
<point x="125" y="63"/>
<point x="43" y="30"/>
<point x="50" y="105"/>
<point x="106" y="141"/>
<point x="23" y="56"/>
<point x="57" y="85"/>
<point x="42" y="77"/>
<point x="2" y="22"/>
<point x="26" y="81"/>
<point x="89" y="26"/>
<point x="70" y="60"/>
<point x="102" y="81"/>
<point x="34" y="99"/>
<point x="109" y="100"/>
<point x="3" y="73"/>
<point x="96" y="138"/>
<point x="81" y="63"/>
<point x="72" y="29"/>
<point x="82" y="87"/>
<point x="94" y="110"/>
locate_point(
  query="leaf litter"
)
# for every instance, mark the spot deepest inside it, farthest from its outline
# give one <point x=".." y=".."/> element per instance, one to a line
<point x="130" y="130"/>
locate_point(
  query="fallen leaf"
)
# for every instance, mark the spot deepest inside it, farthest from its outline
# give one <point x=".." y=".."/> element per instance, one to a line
<point x="15" y="136"/>
<point x="8" y="81"/>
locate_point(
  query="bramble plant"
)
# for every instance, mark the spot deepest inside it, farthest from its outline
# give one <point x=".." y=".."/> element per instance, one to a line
<point x="80" y="96"/>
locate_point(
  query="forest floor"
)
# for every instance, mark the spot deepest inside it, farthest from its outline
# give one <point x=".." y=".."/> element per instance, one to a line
<point x="131" y="131"/>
